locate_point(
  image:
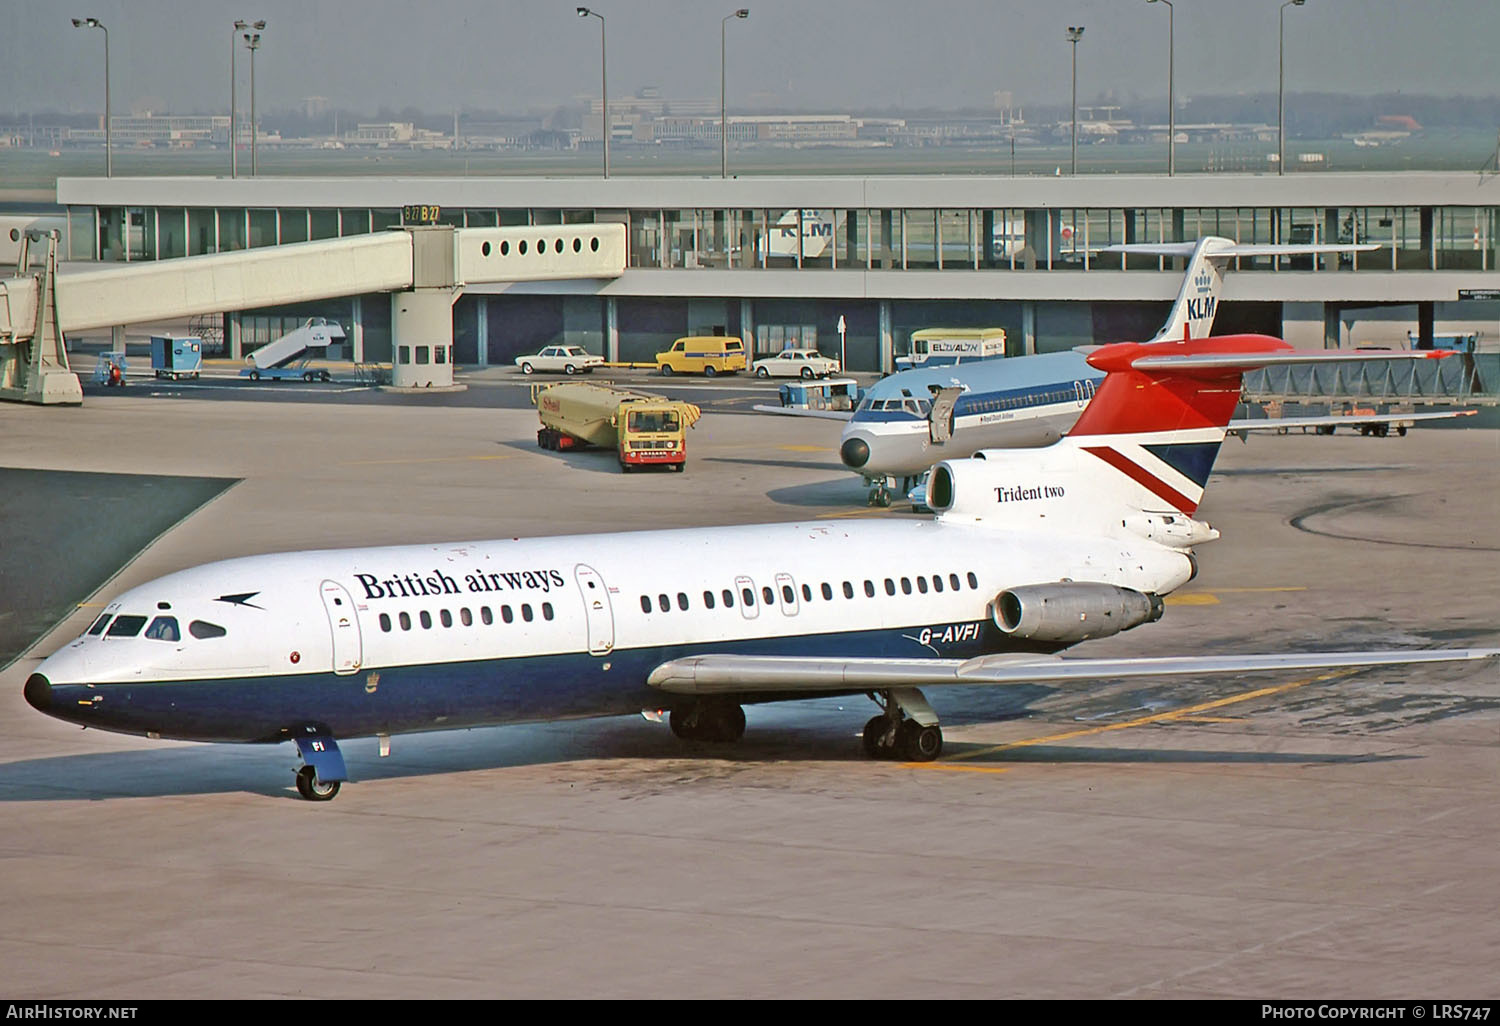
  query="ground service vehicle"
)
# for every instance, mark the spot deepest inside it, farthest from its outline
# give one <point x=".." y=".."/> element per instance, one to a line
<point x="796" y="363"/>
<point x="932" y="347"/>
<point x="644" y="430"/>
<point x="568" y="359"/>
<point x="703" y="354"/>
<point x="176" y="357"/>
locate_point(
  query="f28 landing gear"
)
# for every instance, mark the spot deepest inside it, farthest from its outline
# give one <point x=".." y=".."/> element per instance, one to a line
<point x="907" y="729"/>
<point x="708" y="721"/>
<point x="880" y="496"/>
<point x="322" y="769"/>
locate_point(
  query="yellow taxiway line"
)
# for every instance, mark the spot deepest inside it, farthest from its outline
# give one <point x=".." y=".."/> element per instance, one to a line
<point x="1187" y="712"/>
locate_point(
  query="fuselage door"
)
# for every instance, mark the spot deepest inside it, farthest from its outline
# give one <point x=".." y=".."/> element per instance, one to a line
<point x="940" y="419"/>
<point x="597" y="611"/>
<point x="749" y="607"/>
<point x="786" y="590"/>
<point x="348" y="649"/>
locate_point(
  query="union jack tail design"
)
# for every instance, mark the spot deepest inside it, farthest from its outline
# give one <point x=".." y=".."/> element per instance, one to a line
<point x="1160" y="416"/>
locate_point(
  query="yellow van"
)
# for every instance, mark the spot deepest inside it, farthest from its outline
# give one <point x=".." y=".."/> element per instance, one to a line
<point x="703" y="354"/>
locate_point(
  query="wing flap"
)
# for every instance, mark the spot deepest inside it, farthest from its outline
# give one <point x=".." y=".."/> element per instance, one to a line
<point x="794" y="675"/>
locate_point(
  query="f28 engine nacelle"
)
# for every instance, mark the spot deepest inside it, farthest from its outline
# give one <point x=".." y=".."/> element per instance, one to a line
<point x="1068" y="611"/>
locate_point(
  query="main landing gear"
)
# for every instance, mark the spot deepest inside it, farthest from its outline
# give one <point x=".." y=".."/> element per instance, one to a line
<point x="906" y="729"/>
<point x="708" y="721"/>
<point x="322" y="769"/>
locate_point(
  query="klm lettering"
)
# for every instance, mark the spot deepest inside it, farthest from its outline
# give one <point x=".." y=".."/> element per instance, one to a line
<point x="1003" y="494"/>
<point x="1199" y="308"/>
<point x="417" y="585"/>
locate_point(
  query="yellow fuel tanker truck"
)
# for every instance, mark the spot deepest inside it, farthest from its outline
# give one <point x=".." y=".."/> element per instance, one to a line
<point x="644" y="430"/>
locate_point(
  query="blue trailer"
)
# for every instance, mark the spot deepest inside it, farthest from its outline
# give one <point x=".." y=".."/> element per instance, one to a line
<point x="176" y="357"/>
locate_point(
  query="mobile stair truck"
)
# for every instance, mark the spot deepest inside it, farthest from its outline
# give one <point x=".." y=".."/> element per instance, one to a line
<point x="290" y="356"/>
<point x="644" y="430"/>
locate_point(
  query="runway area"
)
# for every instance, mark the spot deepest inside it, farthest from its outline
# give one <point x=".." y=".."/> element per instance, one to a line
<point x="1286" y="836"/>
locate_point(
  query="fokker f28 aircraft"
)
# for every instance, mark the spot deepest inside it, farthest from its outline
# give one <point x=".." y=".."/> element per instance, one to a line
<point x="1032" y="551"/>
<point x="910" y="420"/>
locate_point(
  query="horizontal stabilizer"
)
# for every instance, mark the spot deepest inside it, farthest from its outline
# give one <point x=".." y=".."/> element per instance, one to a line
<point x="1224" y="249"/>
<point x="729" y="674"/>
<point x="1230" y="362"/>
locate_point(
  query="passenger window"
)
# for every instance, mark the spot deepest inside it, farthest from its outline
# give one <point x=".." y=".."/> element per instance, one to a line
<point x="922" y="585"/>
<point x="426" y="619"/>
<point x="506" y="614"/>
<point x="953" y="581"/>
<point x="526" y="612"/>
<point x="204" y="629"/>
<point x="446" y="618"/>
<point x="405" y="620"/>
<point x="848" y="590"/>
<point x="546" y="610"/>
<point x="663" y="603"/>
<point x="890" y="586"/>
<point x="869" y="589"/>
<point x="747" y="596"/>
<point x="937" y="582"/>
<point x="906" y="585"/>
<point x="385" y="624"/>
<point x="827" y="590"/>
<point x="98" y="627"/>
<point x="164" y="628"/>
<point x="126" y="626"/>
<point x="466" y="617"/>
<point x="645" y="603"/>
<point x="708" y="600"/>
<point x="786" y="594"/>
<point x="682" y="602"/>
<point x="486" y="616"/>
<point x="973" y="581"/>
<point x="728" y="599"/>
<point x="767" y="594"/>
<point x="807" y="593"/>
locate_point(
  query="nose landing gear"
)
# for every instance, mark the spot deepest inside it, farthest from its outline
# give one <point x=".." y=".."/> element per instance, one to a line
<point x="322" y="769"/>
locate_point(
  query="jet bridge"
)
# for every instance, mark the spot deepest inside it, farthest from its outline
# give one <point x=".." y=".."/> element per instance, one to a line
<point x="425" y="268"/>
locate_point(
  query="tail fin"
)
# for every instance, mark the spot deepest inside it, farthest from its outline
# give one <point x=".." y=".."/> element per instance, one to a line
<point x="1146" y="443"/>
<point x="1162" y="410"/>
<point x="1192" y="314"/>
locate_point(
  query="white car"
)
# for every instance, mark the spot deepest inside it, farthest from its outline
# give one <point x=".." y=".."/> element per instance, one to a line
<point x="795" y="363"/>
<point x="568" y="359"/>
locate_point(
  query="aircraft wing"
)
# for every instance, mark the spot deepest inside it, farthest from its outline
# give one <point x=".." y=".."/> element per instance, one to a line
<point x="809" y="675"/>
<point x="1239" y="427"/>
<point x="792" y="411"/>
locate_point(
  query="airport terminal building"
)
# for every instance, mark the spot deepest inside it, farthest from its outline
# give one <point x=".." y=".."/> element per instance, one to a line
<point x="784" y="260"/>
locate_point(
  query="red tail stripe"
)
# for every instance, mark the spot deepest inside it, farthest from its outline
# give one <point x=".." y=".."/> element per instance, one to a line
<point x="1143" y="477"/>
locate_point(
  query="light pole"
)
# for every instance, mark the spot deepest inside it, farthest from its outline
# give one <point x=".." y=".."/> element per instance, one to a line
<point x="1171" y="106"/>
<point x="1075" y="33"/>
<point x="1281" y="88"/>
<point x="584" y="12"/>
<point x="109" y="150"/>
<point x="252" y="43"/>
<point x="234" y="153"/>
<point x="743" y="12"/>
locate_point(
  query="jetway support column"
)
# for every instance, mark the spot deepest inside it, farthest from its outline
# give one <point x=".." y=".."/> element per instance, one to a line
<point x="1028" y="328"/>
<point x="422" y="319"/>
<point x="1332" y="325"/>
<point x="482" y="331"/>
<point x="887" y="343"/>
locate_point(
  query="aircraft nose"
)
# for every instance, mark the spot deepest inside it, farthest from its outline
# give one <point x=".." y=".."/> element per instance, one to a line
<point x="38" y="692"/>
<point x="855" y="452"/>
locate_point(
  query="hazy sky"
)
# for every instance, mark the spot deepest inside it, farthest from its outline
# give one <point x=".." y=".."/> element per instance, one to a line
<point x="173" y="55"/>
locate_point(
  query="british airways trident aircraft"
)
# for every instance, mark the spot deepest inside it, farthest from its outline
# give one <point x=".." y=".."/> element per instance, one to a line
<point x="1031" y="552"/>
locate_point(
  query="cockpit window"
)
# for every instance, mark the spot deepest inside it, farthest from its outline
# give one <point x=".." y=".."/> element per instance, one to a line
<point x="164" y="628"/>
<point x="126" y="626"/>
<point x="98" y="627"/>
<point x="204" y="629"/>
